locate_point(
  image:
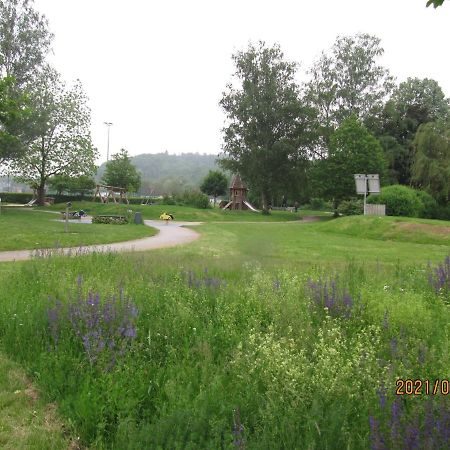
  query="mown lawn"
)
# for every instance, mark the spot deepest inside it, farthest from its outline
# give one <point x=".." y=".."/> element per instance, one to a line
<point x="187" y="213"/>
<point x="23" y="229"/>
<point x="263" y="335"/>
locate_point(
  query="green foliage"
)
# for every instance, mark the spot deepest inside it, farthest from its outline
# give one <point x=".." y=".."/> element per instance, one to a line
<point x="13" y="113"/>
<point x="399" y="201"/>
<point x="347" y="81"/>
<point x="317" y="203"/>
<point x="352" y="150"/>
<point x="24" y="40"/>
<point x="351" y="207"/>
<point x="62" y="145"/>
<point x="431" y="165"/>
<point x="267" y="124"/>
<point x="113" y="220"/>
<point x="414" y="102"/>
<point x="120" y="172"/>
<point x="215" y="184"/>
<point x="76" y="185"/>
<point x="193" y="198"/>
<point x="16" y="197"/>
<point x="429" y="205"/>
<point x="435" y="3"/>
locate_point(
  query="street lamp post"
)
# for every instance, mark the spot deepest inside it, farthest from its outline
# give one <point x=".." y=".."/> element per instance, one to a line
<point x="108" y="124"/>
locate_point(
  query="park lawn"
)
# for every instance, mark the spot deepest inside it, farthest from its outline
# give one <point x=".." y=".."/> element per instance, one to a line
<point x="399" y="229"/>
<point x="27" y="229"/>
<point x="188" y="213"/>
<point x="297" y="244"/>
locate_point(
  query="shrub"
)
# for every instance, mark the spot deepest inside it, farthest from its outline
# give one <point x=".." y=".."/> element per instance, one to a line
<point x="193" y="198"/>
<point x="168" y="200"/>
<point x="317" y="203"/>
<point x="15" y="197"/>
<point x="442" y="212"/>
<point x="399" y="201"/>
<point x="111" y="220"/>
<point x="429" y="205"/>
<point x="351" y="207"/>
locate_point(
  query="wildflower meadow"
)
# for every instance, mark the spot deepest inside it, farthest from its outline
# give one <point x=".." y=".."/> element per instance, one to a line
<point x="183" y="351"/>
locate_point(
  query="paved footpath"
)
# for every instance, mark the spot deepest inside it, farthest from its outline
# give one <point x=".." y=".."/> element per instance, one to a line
<point x="170" y="235"/>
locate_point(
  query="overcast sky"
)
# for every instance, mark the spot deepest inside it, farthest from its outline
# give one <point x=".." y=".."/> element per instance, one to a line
<point x="157" y="69"/>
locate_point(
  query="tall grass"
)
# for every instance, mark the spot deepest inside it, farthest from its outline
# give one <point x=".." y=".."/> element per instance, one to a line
<point x="144" y="353"/>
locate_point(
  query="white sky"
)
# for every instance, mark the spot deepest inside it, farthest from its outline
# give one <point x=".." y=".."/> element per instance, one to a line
<point x="157" y="69"/>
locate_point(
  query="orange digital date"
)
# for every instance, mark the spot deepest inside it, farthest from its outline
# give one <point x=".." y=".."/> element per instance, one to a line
<point x="419" y="387"/>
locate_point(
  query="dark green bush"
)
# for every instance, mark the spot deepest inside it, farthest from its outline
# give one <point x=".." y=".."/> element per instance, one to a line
<point x="317" y="203"/>
<point x="429" y="205"/>
<point x="16" y="197"/>
<point x="112" y="220"/>
<point x="399" y="201"/>
<point x="351" y="207"/>
<point x="193" y="198"/>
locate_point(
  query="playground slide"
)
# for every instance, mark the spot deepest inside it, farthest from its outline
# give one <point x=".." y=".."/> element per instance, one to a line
<point x="227" y="205"/>
<point x="250" y="206"/>
<point x="31" y="202"/>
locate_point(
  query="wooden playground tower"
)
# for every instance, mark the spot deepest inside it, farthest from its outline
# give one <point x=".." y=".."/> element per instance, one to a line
<point x="238" y="195"/>
<point x="110" y="193"/>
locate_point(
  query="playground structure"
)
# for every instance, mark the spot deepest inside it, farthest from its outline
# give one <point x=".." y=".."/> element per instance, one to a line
<point x="238" y="195"/>
<point x="110" y="193"/>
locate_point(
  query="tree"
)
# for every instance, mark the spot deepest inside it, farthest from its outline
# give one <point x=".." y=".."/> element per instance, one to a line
<point x="435" y="3"/>
<point x="347" y="81"/>
<point x="63" y="145"/>
<point x="24" y="40"/>
<point x="13" y="115"/>
<point x="267" y="128"/>
<point x="215" y="184"/>
<point x="352" y="150"/>
<point x="76" y="185"/>
<point x="414" y="102"/>
<point x="431" y="164"/>
<point x="120" y="172"/>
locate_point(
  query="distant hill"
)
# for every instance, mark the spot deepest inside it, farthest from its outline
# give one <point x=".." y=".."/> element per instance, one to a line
<point x="163" y="173"/>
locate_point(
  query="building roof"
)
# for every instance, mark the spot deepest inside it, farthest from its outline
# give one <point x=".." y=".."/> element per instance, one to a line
<point x="237" y="183"/>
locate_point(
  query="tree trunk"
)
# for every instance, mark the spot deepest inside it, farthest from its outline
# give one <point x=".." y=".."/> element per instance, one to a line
<point x="40" y="201"/>
<point x="265" y="206"/>
<point x="335" y="206"/>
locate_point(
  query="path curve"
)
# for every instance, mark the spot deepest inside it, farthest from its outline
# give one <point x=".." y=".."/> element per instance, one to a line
<point x="170" y="235"/>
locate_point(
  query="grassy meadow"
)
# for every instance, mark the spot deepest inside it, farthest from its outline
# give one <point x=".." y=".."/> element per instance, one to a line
<point x="257" y="336"/>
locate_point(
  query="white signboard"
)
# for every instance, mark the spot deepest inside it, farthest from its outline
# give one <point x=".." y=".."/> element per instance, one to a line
<point x="361" y="183"/>
<point x="374" y="183"/>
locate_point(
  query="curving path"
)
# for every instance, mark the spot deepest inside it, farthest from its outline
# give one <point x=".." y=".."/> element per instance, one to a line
<point x="170" y="235"/>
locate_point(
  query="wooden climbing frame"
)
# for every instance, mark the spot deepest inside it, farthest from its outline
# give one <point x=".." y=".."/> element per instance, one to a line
<point x="111" y="193"/>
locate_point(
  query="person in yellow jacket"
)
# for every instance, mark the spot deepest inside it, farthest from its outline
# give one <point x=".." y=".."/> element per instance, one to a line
<point x="166" y="217"/>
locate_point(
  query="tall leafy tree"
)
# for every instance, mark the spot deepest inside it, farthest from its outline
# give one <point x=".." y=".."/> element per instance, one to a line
<point x="414" y="102"/>
<point x="267" y="125"/>
<point x="431" y="164"/>
<point x="345" y="81"/>
<point x="24" y="40"/>
<point x="353" y="149"/>
<point x="63" y="144"/>
<point x="13" y="118"/>
<point x="215" y="184"/>
<point x="120" y="172"/>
